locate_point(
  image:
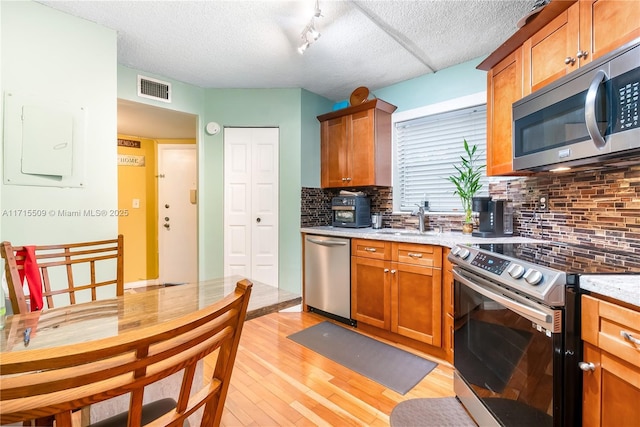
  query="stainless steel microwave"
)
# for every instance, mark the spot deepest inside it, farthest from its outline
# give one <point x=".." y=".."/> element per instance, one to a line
<point x="586" y="117"/>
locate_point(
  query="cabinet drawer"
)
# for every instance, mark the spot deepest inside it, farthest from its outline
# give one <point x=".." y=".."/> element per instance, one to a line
<point x="416" y="254"/>
<point x="375" y="249"/>
<point x="612" y="328"/>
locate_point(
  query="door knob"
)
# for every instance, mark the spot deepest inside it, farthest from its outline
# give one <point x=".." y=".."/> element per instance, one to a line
<point x="569" y="60"/>
<point x="166" y="226"/>
<point x="258" y="219"/>
<point x="166" y="206"/>
<point x="166" y="218"/>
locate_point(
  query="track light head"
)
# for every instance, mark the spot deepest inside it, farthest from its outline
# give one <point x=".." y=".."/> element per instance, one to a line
<point x="315" y="34"/>
<point x="303" y="47"/>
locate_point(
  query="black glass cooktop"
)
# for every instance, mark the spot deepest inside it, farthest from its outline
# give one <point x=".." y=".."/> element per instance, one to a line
<point x="571" y="259"/>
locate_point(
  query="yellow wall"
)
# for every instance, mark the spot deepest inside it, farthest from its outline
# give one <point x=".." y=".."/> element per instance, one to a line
<point x="134" y="183"/>
<point x="140" y="226"/>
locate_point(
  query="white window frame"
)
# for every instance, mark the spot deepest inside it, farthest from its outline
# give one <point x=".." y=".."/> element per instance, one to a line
<point x="468" y="101"/>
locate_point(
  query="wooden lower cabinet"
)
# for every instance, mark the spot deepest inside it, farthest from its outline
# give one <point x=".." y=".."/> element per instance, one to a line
<point x="416" y="303"/>
<point x="370" y="291"/>
<point x="447" y="305"/>
<point x="611" y="390"/>
<point x="396" y="288"/>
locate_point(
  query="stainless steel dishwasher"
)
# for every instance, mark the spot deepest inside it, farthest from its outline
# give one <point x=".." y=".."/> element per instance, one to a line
<point x="327" y="276"/>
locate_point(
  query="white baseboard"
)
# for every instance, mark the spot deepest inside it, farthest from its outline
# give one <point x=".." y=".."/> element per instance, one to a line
<point x="141" y="283"/>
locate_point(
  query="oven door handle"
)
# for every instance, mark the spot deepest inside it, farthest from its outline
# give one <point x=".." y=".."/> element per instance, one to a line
<point x="529" y="312"/>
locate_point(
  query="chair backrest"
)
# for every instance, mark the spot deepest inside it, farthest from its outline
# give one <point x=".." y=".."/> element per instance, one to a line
<point x="53" y="382"/>
<point x="70" y="269"/>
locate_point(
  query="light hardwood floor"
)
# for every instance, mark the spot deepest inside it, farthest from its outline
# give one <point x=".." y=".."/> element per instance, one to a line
<point x="277" y="382"/>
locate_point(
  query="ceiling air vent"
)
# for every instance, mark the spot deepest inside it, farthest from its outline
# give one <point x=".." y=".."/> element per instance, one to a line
<point x="154" y="89"/>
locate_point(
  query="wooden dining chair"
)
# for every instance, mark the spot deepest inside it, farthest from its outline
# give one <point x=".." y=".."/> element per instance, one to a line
<point x="53" y="382"/>
<point x="72" y="269"/>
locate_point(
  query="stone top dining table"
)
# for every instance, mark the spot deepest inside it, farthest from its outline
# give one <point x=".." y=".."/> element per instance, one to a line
<point x="132" y="311"/>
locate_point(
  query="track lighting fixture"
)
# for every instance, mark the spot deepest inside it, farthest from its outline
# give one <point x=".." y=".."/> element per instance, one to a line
<point x="310" y="34"/>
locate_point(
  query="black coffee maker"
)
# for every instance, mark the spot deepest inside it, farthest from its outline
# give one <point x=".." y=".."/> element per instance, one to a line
<point x="492" y="219"/>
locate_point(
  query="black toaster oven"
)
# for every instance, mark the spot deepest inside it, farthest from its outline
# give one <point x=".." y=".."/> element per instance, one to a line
<point x="351" y="211"/>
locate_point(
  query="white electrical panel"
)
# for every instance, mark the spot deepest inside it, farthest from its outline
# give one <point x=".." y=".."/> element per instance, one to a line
<point x="43" y="142"/>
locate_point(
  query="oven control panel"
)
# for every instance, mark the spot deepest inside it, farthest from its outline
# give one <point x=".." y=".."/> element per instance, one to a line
<point x="499" y="264"/>
<point x="490" y="263"/>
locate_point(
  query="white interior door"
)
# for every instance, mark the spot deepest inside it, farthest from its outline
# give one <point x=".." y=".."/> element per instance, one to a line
<point x="251" y="203"/>
<point x="177" y="213"/>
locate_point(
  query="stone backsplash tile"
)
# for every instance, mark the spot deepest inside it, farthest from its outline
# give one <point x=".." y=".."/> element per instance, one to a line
<point x="587" y="207"/>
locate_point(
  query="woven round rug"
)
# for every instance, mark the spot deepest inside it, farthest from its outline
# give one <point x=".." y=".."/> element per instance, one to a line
<point x="430" y="412"/>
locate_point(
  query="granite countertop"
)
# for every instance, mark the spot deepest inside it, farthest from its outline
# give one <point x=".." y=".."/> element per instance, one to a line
<point x="448" y="239"/>
<point x="622" y="287"/>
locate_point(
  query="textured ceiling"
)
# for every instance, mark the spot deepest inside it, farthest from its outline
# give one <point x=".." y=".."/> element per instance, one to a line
<point x="253" y="44"/>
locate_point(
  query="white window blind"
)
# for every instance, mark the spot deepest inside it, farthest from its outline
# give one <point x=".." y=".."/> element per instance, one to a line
<point x="427" y="149"/>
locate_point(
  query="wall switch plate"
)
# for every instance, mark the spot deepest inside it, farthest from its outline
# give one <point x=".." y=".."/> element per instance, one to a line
<point x="136" y="203"/>
<point x="543" y="203"/>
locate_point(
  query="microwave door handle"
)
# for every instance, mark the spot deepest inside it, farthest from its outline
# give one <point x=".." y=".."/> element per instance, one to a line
<point x="590" y="110"/>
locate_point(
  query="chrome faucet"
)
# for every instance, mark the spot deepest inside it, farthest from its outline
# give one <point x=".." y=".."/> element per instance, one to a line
<point x="420" y="213"/>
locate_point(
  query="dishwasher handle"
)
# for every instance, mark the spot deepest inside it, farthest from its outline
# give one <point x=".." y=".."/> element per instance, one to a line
<point x="327" y="242"/>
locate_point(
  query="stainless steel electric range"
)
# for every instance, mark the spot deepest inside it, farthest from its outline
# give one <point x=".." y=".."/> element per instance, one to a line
<point x="517" y="329"/>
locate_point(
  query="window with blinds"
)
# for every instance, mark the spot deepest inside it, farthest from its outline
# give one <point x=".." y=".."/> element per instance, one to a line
<point x="427" y="149"/>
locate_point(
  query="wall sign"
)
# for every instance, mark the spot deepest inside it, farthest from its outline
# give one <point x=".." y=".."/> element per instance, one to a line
<point x="128" y="143"/>
<point x="129" y="160"/>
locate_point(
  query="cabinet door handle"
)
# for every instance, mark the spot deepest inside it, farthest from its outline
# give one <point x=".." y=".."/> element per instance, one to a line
<point x="627" y="336"/>
<point x="582" y="54"/>
<point x="587" y="366"/>
<point x="348" y="179"/>
<point x="393" y="272"/>
<point x="569" y="60"/>
<point x="370" y="249"/>
<point x="386" y="270"/>
<point x="414" y="255"/>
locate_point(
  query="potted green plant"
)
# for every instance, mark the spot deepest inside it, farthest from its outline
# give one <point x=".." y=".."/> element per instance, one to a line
<point x="467" y="182"/>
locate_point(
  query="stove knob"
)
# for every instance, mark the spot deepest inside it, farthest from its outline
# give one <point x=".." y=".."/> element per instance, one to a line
<point x="464" y="253"/>
<point x="455" y="251"/>
<point x="533" y="277"/>
<point x="516" y="271"/>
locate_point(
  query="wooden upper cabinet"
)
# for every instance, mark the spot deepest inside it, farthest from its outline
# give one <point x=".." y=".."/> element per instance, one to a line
<point x="334" y="159"/>
<point x="563" y="37"/>
<point x="356" y="145"/>
<point x="585" y="31"/>
<point x="606" y="25"/>
<point x="504" y="87"/>
<point x="551" y="52"/>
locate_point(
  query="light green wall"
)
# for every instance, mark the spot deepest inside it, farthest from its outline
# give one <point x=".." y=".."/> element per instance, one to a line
<point x="50" y="55"/>
<point x="450" y="83"/>
<point x="256" y="108"/>
<point x="184" y="97"/>
<point x="312" y="106"/>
